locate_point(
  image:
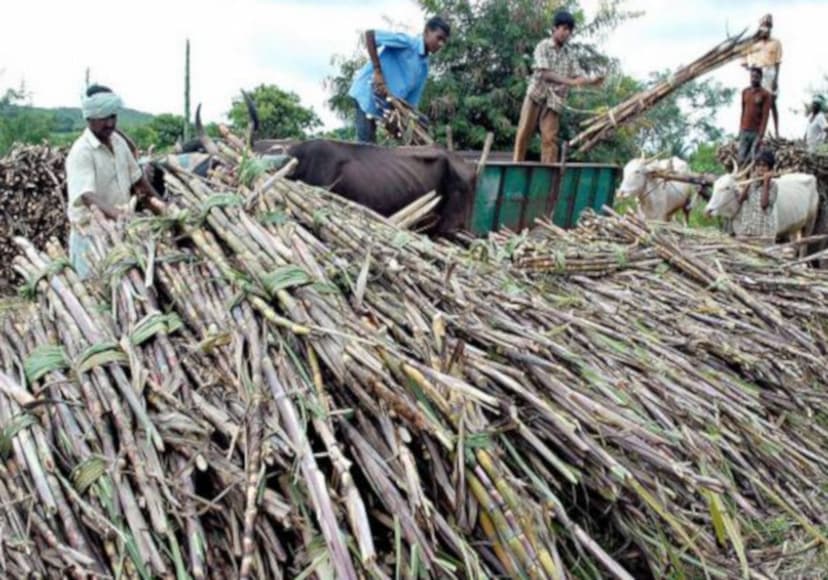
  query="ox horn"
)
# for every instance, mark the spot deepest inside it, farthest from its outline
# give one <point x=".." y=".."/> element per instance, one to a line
<point x="208" y="144"/>
<point x="254" y="124"/>
<point x="735" y="170"/>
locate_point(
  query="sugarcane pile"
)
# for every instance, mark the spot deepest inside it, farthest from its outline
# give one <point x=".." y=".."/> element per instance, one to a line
<point x="601" y="126"/>
<point x="269" y="381"/>
<point x="32" y="198"/>
<point x="790" y="156"/>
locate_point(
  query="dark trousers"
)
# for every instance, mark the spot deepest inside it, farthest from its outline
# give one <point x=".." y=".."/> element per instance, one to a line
<point x="748" y="141"/>
<point x="366" y="129"/>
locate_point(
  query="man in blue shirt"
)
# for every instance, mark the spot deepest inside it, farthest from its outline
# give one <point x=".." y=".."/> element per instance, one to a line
<point x="400" y="70"/>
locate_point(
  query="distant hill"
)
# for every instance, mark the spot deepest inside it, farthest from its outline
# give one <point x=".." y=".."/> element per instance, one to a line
<point x="70" y="119"/>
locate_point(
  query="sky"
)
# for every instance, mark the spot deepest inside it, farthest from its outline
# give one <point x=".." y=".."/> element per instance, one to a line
<point x="138" y="48"/>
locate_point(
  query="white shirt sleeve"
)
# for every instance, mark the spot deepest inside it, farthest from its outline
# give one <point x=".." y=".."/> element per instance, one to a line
<point x="80" y="174"/>
<point x="135" y="173"/>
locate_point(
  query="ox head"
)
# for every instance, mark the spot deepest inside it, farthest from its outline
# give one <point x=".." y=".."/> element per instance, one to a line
<point x="724" y="201"/>
<point x="635" y="177"/>
<point x="458" y="188"/>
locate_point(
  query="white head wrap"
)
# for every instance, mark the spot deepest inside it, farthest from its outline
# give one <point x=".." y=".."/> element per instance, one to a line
<point x="101" y="105"/>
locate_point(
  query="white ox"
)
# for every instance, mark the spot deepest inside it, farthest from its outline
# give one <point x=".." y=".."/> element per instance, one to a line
<point x="797" y="203"/>
<point x="658" y="199"/>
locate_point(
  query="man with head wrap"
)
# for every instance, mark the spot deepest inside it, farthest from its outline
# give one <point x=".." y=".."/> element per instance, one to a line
<point x="101" y="172"/>
<point x="767" y="56"/>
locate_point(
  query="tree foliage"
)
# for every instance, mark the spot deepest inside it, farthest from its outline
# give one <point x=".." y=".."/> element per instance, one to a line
<point x="168" y="129"/>
<point x="478" y="82"/>
<point x="685" y="119"/>
<point x="281" y="114"/>
<point x="704" y="160"/>
<point x="19" y="123"/>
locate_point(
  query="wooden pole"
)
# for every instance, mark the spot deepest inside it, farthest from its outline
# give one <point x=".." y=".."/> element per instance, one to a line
<point x="187" y="91"/>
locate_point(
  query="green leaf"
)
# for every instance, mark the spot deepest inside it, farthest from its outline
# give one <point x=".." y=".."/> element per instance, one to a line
<point x="274" y="218"/>
<point x="44" y="360"/>
<point x="153" y="324"/>
<point x="285" y="277"/>
<point x="10" y="431"/>
<point x="401" y="239"/>
<point x="99" y="355"/>
<point x="86" y="473"/>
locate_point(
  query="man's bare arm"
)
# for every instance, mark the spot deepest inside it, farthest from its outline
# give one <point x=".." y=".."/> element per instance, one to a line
<point x="379" y="79"/>
<point x="552" y="77"/>
<point x="144" y="189"/>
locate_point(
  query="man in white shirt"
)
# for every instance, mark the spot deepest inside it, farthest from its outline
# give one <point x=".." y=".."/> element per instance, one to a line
<point x="817" y="130"/>
<point x="101" y="171"/>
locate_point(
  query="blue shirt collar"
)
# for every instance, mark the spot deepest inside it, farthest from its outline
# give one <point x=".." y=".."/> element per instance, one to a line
<point x="421" y="47"/>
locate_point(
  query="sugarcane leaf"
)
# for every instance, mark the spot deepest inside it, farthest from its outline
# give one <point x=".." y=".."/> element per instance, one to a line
<point x="218" y="200"/>
<point x="447" y="565"/>
<point x="99" y="355"/>
<point x="320" y="216"/>
<point x="414" y="563"/>
<point x="15" y="425"/>
<point x="732" y="529"/>
<point x="44" y="360"/>
<point x="29" y="288"/>
<point x="274" y="218"/>
<point x="362" y="281"/>
<point x="481" y="440"/>
<point x="250" y="169"/>
<point x="153" y="324"/>
<point x="401" y="239"/>
<point x="285" y="277"/>
<point x="716" y="516"/>
<point x="326" y="288"/>
<point x="86" y="473"/>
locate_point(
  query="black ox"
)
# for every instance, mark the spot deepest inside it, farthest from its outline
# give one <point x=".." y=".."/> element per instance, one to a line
<point x="386" y="180"/>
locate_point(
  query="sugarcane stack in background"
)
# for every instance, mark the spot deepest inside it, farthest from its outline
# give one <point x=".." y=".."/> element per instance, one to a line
<point x="791" y="156"/>
<point x="32" y="203"/>
<point x="268" y="381"/>
<point x="602" y="125"/>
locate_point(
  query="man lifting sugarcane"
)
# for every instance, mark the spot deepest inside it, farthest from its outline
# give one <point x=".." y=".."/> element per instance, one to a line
<point x="555" y="70"/>
<point x="398" y="66"/>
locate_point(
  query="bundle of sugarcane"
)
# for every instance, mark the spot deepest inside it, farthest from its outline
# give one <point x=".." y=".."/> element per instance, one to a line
<point x="33" y="201"/>
<point x="405" y="123"/>
<point x="272" y="382"/>
<point x="601" y="126"/>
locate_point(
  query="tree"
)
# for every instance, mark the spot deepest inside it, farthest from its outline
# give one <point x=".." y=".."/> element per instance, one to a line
<point x="19" y="123"/>
<point x="143" y="136"/>
<point x="168" y="129"/>
<point x="281" y="114"/>
<point x="683" y="121"/>
<point x="704" y="160"/>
